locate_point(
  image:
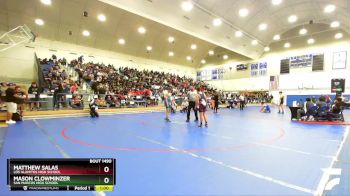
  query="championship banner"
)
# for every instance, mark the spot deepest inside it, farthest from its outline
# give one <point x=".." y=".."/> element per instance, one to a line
<point x="254" y="69"/>
<point x="212" y="74"/>
<point x="258" y="69"/>
<point x="263" y="69"/>
<point x="339" y="60"/>
<point x="300" y="61"/>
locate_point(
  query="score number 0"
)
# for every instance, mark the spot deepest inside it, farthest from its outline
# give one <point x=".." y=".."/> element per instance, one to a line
<point x="106" y="170"/>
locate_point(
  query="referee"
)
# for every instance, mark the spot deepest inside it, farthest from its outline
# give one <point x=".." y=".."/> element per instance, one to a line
<point x="192" y="95"/>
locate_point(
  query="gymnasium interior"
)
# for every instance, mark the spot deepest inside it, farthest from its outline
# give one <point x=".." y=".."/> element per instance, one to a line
<point x="174" y="97"/>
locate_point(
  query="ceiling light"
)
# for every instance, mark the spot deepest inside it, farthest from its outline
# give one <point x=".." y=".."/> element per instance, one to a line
<point x="217" y="22"/>
<point x="310" y="41"/>
<point x="211" y="52"/>
<point x="302" y="31"/>
<point x="101" y="17"/>
<point x="292" y="18"/>
<point x="171" y="53"/>
<point x="187" y="6"/>
<point x="203" y="61"/>
<point x="329" y="8"/>
<point x="335" y="24"/>
<point x="46" y="2"/>
<point x="276" y="37"/>
<point x="238" y="33"/>
<point x="287" y="45"/>
<point x="262" y="26"/>
<point x="188" y="58"/>
<point x="141" y="30"/>
<point x="254" y="42"/>
<point x="243" y="12"/>
<point x="86" y="33"/>
<point x="39" y="22"/>
<point x="266" y="49"/>
<point x="225" y="57"/>
<point x="121" y="41"/>
<point x="193" y="46"/>
<point x="171" y="39"/>
<point x="276" y="2"/>
<point x="149" y="48"/>
<point x="338" y="35"/>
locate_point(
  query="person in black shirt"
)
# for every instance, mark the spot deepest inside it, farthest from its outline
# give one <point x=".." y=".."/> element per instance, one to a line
<point x="34" y="90"/>
<point x="304" y="108"/>
<point x="216" y="103"/>
<point x="281" y="103"/>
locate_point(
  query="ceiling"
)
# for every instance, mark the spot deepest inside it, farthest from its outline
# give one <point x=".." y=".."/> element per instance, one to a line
<point x="63" y="16"/>
<point x="198" y="21"/>
<point x="164" y="18"/>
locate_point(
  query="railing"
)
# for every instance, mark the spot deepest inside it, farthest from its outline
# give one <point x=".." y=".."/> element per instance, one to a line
<point x="56" y="101"/>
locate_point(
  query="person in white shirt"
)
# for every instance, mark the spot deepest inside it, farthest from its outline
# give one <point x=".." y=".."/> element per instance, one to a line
<point x="241" y="102"/>
<point x="192" y="95"/>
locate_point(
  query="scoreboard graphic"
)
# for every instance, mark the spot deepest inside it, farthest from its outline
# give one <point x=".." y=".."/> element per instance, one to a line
<point x="95" y="174"/>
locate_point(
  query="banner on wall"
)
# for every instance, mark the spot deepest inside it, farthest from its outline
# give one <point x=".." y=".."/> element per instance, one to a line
<point x="241" y="67"/>
<point x="339" y="60"/>
<point x="300" y="61"/>
<point x="210" y="74"/>
<point x="258" y="69"/>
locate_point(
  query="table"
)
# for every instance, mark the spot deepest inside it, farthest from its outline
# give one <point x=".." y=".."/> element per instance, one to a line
<point x="293" y="112"/>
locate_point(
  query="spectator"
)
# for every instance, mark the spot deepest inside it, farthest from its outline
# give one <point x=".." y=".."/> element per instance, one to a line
<point x="321" y="104"/>
<point x="241" y="102"/>
<point x="76" y="102"/>
<point x="3" y="88"/>
<point x="34" y="90"/>
<point x="305" y="108"/>
<point x="21" y="97"/>
<point x="101" y="102"/>
<point x="74" y="88"/>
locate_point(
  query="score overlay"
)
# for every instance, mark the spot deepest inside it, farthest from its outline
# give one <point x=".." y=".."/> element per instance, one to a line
<point x="91" y="174"/>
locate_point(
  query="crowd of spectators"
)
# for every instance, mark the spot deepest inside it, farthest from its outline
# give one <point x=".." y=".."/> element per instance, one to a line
<point x="115" y="87"/>
<point x="123" y="83"/>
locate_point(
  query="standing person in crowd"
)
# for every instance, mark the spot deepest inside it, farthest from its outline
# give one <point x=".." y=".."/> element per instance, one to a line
<point x="20" y="99"/>
<point x="216" y="102"/>
<point x="192" y="95"/>
<point x="281" y="103"/>
<point x="202" y="105"/>
<point x="34" y="90"/>
<point x="167" y="104"/>
<point x="241" y="102"/>
<point x="58" y="96"/>
<point x="11" y="103"/>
